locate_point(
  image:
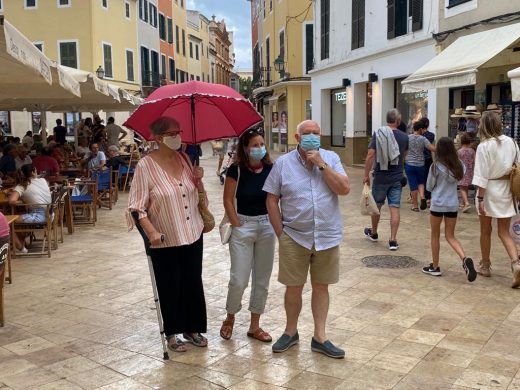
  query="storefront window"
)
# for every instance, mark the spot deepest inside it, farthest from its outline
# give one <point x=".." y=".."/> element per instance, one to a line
<point x="412" y="106"/>
<point x="71" y="121"/>
<point x="338" y="103"/>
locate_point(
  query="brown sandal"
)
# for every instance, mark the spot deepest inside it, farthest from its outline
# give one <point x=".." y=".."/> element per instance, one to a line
<point x="226" y="330"/>
<point x="260" y="335"/>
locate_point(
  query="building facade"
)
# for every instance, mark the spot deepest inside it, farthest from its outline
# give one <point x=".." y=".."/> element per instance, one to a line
<point x="195" y="45"/>
<point x="149" y="45"/>
<point x="166" y="36"/>
<point x="181" y="40"/>
<point x="223" y="57"/>
<point x="282" y="58"/>
<point x="467" y="19"/>
<point x="359" y="67"/>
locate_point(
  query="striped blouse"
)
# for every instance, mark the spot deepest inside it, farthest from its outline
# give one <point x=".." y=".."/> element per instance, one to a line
<point x="170" y="205"/>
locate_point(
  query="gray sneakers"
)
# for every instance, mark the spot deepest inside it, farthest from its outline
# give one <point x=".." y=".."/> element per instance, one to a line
<point x="285" y="342"/>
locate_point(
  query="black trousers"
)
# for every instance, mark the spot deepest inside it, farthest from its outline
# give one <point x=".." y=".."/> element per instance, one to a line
<point x="427" y="164"/>
<point x="178" y="274"/>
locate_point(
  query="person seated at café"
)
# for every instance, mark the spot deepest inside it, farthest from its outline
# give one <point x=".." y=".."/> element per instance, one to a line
<point x="114" y="159"/>
<point x="70" y="155"/>
<point x="97" y="159"/>
<point x="83" y="151"/>
<point x="34" y="192"/>
<point x="7" y="162"/>
<point x="28" y="140"/>
<point x="23" y="157"/>
<point x="45" y="164"/>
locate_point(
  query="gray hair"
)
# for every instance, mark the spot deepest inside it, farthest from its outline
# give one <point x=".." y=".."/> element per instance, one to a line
<point x="163" y="124"/>
<point x="113" y="148"/>
<point x="393" y="115"/>
<point x="301" y="125"/>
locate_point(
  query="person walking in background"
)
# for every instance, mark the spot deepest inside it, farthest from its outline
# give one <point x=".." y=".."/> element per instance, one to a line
<point x="303" y="205"/>
<point x="164" y="192"/>
<point x="496" y="154"/>
<point x="114" y="132"/>
<point x="428" y="158"/>
<point x="386" y="154"/>
<point x="60" y="132"/>
<point x="467" y="155"/>
<point x="252" y="241"/>
<point x="414" y="164"/>
<point x="28" y="140"/>
<point x="442" y="183"/>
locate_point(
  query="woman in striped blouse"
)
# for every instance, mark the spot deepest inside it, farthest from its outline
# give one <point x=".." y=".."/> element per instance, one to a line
<point x="165" y="194"/>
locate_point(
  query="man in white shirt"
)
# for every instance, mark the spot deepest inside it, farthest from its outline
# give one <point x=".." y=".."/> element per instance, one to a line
<point x="97" y="159"/>
<point x="114" y="133"/>
<point x="23" y="157"/>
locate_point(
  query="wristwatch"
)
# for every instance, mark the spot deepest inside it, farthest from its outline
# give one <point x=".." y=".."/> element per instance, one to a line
<point x="322" y="166"/>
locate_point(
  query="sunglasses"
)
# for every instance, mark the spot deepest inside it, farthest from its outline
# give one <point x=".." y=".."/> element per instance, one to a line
<point x="259" y="131"/>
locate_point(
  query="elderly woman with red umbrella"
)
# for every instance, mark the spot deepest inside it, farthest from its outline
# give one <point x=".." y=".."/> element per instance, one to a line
<point x="165" y="193"/>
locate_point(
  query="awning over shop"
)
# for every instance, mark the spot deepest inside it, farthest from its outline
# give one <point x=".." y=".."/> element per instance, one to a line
<point x="458" y="64"/>
<point x="514" y="75"/>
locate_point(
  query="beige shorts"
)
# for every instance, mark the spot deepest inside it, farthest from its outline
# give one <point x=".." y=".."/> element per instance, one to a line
<point x="295" y="261"/>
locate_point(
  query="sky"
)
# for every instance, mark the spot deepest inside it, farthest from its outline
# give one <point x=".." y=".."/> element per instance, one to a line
<point x="237" y="15"/>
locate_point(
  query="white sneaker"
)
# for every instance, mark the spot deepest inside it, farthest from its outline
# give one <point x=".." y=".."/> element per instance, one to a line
<point x="23" y="250"/>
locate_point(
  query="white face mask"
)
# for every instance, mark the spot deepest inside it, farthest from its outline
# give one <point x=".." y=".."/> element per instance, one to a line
<point x="174" y="143"/>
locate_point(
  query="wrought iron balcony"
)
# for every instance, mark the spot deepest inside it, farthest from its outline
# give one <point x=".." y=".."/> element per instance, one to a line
<point x="262" y="77"/>
<point x="151" y="79"/>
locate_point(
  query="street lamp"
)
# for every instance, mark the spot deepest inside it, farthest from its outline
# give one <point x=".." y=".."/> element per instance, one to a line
<point x="100" y="72"/>
<point x="279" y="66"/>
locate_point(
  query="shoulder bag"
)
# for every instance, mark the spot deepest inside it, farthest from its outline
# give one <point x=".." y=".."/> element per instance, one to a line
<point x="225" y="228"/>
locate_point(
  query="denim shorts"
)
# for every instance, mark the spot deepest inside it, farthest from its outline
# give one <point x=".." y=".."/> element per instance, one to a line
<point x="416" y="176"/>
<point x="36" y="215"/>
<point x="391" y="191"/>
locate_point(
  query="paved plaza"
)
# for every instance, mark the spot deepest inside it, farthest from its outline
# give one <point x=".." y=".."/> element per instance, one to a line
<point x="85" y="318"/>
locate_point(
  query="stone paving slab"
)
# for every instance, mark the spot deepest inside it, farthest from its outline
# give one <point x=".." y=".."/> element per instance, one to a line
<point x="85" y="318"/>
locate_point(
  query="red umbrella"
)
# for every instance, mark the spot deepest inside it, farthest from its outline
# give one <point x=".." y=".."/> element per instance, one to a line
<point x="204" y="111"/>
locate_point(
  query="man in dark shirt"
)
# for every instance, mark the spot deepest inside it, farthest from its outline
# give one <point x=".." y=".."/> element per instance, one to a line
<point x="7" y="162"/>
<point x="387" y="183"/>
<point x="60" y="132"/>
<point x="428" y="159"/>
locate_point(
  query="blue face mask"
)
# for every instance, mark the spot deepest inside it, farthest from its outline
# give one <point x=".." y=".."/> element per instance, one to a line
<point x="257" y="153"/>
<point x="310" y="142"/>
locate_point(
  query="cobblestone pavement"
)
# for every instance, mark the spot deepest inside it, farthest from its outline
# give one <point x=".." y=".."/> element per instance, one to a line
<point x="85" y="318"/>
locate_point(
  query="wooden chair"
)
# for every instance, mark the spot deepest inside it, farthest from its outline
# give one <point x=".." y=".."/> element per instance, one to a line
<point x="32" y="228"/>
<point x="115" y="185"/>
<point x="105" y="195"/>
<point x="61" y="212"/>
<point x="84" y="201"/>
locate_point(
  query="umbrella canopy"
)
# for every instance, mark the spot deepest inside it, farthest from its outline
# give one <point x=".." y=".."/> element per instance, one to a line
<point x="204" y="111"/>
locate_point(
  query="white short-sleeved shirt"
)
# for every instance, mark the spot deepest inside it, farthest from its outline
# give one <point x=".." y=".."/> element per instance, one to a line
<point x="96" y="161"/>
<point x="310" y="209"/>
<point x="37" y="192"/>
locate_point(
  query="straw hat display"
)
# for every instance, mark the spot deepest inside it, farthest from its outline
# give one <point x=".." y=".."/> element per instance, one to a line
<point x="494" y="108"/>
<point x="457" y="113"/>
<point x="471" y="112"/>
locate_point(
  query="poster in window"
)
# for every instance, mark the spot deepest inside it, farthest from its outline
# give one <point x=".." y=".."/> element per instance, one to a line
<point x="36" y="121"/>
<point x="275" y="126"/>
<point x="5" y="125"/>
<point x="283" y="128"/>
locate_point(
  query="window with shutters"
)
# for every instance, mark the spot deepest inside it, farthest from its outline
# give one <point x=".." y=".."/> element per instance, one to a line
<point x="107" y="59"/>
<point x="127" y="10"/>
<point x="68" y="53"/>
<point x="30" y="4"/>
<point x="153" y="15"/>
<point x="309" y="47"/>
<point x="162" y="27"/>
<point x="184" y="43"/>
<point x="163" y="66"/>
<point x="282" y="44"/>
<point x="170" y="30"/>
<point x="177" y="40"/>
<point x="404" y="16"/>
<point x="268" y="59"/>
<point x="104" y="4"/>
<point x="191" y="49"/>
<point x="196" y="52"/>
<point x="453" y="3"/>
<point x="130" y="65"/>
<point x="325" y="28"/>
<point x="171" y="63"/>
<point x="358" y="24"/>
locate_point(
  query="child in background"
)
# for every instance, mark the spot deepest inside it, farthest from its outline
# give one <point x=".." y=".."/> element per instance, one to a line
<point x="442" y="183"/>
<point x="467" y="155"/>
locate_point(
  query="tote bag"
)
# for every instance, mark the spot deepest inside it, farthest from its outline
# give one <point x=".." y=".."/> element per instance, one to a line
<point x="367" y="204"/>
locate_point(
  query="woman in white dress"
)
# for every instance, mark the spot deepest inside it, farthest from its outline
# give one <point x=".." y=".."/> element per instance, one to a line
<point x="496" y="154"/>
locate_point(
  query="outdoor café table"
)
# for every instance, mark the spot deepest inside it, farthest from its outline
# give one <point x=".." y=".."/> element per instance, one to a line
<point x="56" y="179"/>
<point x="71" y="172"/>
<point x="10" y="219"/>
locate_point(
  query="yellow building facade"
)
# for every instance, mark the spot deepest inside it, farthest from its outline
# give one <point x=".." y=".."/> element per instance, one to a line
<point x="83" y="34"/>
<point x="282" y="56"/>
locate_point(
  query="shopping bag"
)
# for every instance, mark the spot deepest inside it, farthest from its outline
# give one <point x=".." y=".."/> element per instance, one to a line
<point x="514" y="228"/>
<point x="368" y="205"/>
<point x="225" y="230"/>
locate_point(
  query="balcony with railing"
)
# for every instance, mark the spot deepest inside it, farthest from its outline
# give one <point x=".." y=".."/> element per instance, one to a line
<point x="151" y="79"/>
<point x="262" y="77"/>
